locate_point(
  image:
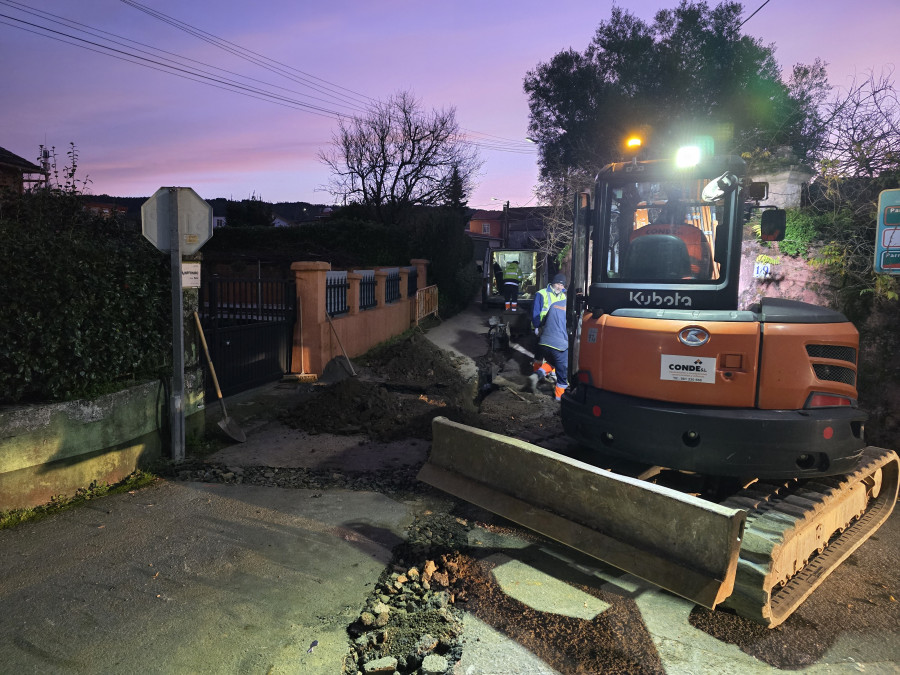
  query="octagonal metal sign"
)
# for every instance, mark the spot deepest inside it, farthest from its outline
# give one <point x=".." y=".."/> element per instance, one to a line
<point x="195" y="219"/>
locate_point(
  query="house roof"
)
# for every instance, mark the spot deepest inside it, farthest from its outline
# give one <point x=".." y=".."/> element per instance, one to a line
<point x="482" y="214"/>
<point x="10" y="159"/>
<point x="515" y="213"/>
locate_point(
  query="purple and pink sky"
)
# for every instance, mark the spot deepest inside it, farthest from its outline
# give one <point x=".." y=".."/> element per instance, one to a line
<point x="137" y="129"/>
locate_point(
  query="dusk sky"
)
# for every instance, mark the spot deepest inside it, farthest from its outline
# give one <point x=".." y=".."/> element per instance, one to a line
<point x="137" y="129"/>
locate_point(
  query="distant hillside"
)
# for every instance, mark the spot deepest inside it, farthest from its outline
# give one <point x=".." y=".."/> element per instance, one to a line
<point x="297" y="212"/>
<point x="133" y="204"/>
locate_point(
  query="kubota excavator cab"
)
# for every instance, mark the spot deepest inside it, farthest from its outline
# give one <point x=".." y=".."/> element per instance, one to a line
<point x="668" y="369"/>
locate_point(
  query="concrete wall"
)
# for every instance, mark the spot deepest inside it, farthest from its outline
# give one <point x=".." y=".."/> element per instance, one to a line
<point x="55" y="449"/>
<point x="785" y="185"/>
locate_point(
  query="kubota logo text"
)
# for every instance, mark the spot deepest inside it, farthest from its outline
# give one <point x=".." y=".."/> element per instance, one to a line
<point x="654" y="299"/>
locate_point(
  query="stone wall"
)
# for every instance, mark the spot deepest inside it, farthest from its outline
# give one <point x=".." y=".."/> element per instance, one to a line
<point x="790" y="278"/>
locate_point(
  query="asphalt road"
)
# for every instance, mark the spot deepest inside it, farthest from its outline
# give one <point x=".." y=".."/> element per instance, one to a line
<point x="194" y="578"/>
<point x="201" y="578"/>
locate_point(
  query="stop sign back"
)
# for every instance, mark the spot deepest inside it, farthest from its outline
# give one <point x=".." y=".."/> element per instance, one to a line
<point x="194" y="215"/>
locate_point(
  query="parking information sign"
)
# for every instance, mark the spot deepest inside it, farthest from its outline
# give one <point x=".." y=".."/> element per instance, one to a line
<point x="887" y="243"/>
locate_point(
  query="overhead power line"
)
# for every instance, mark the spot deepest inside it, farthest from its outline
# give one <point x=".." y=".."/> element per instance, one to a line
<point x="334" y="101"/>
<point x="124" y="49"/>
<point x="485" y="141"/>
<point x="754" y="13"/>
<point x="183" y="72"/>
<point x="249" y="55"/>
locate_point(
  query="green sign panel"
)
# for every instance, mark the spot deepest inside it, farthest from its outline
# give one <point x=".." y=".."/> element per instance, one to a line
<point x="892" y="215"/>
<point x="890" y="261"/>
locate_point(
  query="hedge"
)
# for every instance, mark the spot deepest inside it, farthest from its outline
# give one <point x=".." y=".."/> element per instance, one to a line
<point x="85" y="301"/>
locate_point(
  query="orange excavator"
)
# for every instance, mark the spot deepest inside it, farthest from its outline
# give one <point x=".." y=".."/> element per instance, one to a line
<point x="723" y="447"/>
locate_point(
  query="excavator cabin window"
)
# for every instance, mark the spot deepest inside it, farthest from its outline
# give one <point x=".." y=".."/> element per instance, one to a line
<point x="661" y="232"/>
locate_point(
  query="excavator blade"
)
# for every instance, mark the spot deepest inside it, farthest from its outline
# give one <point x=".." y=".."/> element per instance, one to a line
<point x="678" y="542"/>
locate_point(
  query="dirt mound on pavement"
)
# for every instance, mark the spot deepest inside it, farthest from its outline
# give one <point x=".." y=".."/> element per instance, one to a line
<point x="399" y="389"/>
<point x="414" y="359"/>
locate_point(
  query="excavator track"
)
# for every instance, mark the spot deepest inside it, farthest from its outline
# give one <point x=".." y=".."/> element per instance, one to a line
<point x="797" y="532"/>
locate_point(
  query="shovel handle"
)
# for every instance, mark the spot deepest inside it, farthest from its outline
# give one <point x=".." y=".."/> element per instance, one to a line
<point x="212" y="368"/>
<point x="340" y="344"/>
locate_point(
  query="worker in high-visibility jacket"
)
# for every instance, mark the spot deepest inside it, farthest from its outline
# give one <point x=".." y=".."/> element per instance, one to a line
<point x="555" y="291"/>
<point x="554" y="343"/>
<point x="512" y="277"/>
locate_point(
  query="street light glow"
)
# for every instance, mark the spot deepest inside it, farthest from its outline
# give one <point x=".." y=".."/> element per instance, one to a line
<point x="686" y="156"/>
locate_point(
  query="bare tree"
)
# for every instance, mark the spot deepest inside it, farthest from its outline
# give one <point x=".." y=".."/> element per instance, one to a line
<point x="557" y="190"/>
<point x="864" y="129"/>
<point x="397" y="155"/>
<point x="861" y="157"/>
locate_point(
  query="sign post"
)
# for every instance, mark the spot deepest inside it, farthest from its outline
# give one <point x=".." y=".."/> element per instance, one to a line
<point x="177" y="220"/>
<point x="887" y="237"/>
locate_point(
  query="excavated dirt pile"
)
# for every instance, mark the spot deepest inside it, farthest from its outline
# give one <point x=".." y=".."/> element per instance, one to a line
<point x="399" y="389"/>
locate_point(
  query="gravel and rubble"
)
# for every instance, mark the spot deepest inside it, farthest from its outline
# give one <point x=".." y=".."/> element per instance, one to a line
<point x="395" y="481"/>
<point x="410" y="620"/>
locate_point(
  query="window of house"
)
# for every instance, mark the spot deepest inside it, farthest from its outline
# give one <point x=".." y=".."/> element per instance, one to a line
<point x="485" y="228"/>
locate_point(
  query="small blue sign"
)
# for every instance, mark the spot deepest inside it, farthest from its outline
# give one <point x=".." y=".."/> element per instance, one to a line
<point x="762" y="271"/>
<point x="887" y="242"/>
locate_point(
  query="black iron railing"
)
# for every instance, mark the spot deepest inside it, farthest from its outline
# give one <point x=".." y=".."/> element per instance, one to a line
<point x="366" y="289"/>
<point x="226" y="301"/>
<point x="392" y="286"/>
<point x="336" y="293"/>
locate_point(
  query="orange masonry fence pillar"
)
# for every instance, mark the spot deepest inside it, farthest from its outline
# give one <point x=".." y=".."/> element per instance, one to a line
<point x="380" y="287"/>
<point x="307" y="347"/>
<point x="404" y="283"/>
<point x="353" y="278"/>
<point x="421" y="272"/>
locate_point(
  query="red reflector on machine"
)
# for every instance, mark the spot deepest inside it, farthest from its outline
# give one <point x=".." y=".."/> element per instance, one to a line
<point x="827" y="433"/>
<point x="827" y="401"/>
<point x="596" y="410"/>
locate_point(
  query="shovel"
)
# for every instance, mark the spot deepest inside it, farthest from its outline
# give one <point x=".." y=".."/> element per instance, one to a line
<point x="340" y="344"/>
<point x="228" y="425"/>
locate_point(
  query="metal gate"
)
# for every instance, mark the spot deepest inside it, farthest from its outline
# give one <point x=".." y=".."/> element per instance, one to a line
<point x="249" y="325"/>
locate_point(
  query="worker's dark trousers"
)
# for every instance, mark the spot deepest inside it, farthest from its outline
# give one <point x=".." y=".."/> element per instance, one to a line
<point x="511" y="293"/>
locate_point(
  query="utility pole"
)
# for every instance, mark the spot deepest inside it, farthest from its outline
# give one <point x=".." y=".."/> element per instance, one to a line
<point x="506" y="224"/>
